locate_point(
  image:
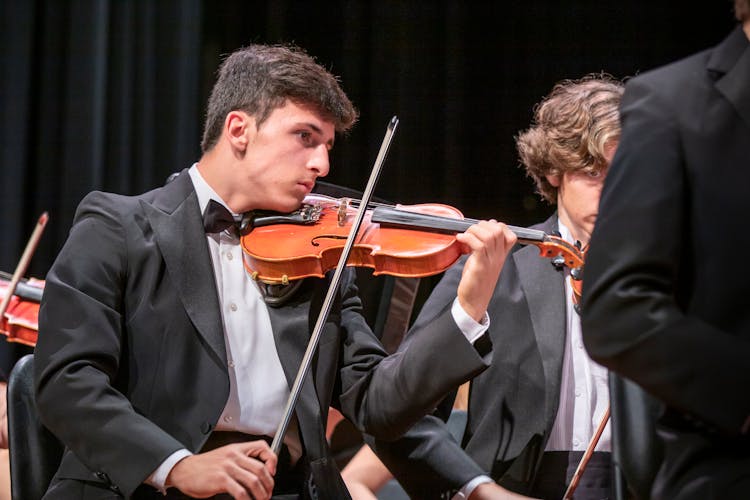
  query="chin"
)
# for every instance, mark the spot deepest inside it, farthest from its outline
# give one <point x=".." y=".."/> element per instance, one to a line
<point x="289" y="205"/>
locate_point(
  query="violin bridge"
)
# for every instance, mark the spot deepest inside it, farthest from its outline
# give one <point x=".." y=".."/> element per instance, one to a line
<point x="343" y="208"/>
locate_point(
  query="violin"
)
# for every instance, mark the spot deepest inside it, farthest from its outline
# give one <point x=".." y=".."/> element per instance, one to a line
<point x="20" y="298"/>
<point x="20" y="322"/>
<point x="402" y="240"/>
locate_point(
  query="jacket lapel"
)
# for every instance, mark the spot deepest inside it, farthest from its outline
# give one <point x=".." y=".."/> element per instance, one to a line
<point x="543" y="286"/>
<point x="175" y="218"/>
<point x="291" y="326"/>
<point x="730" y="60"/>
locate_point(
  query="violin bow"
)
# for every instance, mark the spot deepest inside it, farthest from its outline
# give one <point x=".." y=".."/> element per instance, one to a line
<point x="23" y="263"/>
<point x="332" y="289"/>
<point x="586" y="456"/>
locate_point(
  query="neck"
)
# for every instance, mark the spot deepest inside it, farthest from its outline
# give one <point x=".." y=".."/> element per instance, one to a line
<point x="578" y="233"/>
<point x="746" y="28"/>
<point x="216" y="171"/>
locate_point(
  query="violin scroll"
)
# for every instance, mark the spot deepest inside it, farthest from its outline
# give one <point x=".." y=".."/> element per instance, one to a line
<point x="559" y="251"/>
<point x="576" y="281"/>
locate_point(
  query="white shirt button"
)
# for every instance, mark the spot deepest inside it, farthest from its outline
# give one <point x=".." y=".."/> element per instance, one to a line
<point x="233" y="307"/>
<point x="230" y="256"/>
<point x="228" y="418"/>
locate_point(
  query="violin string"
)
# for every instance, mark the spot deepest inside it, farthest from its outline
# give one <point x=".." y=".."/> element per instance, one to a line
<point x="390" y="205"/>
<point x="371" y="204"/>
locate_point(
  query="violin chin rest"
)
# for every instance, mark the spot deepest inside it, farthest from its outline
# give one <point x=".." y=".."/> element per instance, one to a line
<point x="278" y="295"/>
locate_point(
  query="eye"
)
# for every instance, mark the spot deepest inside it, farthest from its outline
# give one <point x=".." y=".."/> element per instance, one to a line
<point x="306" y="137"/>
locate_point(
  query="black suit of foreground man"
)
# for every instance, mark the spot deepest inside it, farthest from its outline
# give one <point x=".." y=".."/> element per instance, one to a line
<point x="666" y="289"/>
<point x="159" y="365"/>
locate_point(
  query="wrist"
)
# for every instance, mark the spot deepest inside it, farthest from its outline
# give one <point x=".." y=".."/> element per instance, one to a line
<point x="472" y="486"/>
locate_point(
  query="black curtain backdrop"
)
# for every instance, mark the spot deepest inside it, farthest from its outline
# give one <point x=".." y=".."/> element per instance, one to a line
<point x="110" y="94"/>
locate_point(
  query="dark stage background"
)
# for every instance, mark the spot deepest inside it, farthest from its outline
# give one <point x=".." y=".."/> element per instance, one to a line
<point x="109" y="94"/>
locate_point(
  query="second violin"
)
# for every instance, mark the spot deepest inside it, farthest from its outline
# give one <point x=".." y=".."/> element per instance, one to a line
<point x="20" y="320"/>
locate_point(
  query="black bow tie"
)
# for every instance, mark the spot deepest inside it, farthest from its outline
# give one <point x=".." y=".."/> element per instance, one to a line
<point x="217" y="218"/>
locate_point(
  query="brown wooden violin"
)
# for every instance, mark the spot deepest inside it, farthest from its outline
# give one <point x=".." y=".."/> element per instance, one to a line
<point x="20" y="321"/>
<point x="19" y="299"/>
<point x="402" y="240"/>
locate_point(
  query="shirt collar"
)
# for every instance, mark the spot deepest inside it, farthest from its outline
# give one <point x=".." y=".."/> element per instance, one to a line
<point x="565" y="232"/>
<point x="205" y="192"/>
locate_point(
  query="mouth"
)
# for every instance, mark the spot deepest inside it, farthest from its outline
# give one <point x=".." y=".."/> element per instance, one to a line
<point x="308" y="186"/>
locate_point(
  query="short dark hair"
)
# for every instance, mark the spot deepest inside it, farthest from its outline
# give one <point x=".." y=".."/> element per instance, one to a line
<point x="260" y="78"/>
<point x="571" y="128"/>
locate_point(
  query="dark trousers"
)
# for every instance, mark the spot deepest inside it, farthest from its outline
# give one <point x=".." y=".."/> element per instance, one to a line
<point x="556" y="471"/>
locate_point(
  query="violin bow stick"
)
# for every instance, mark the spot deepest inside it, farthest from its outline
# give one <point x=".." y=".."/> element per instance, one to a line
<point x="332" y="289"/>
<point x="23" y="263"/>
<point x="586" y="456"/>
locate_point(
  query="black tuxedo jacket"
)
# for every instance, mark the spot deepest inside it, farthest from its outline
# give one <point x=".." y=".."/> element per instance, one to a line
<point x="665" y="294"/>
<point x="131" y="362"/>
<point x="513" y="404"/>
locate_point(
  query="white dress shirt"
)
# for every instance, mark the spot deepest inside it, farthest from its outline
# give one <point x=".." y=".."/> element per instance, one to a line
<point x="584" y="391"/>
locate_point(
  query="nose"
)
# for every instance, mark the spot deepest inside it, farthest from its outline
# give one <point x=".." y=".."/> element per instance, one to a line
<point x="319" y="161"/>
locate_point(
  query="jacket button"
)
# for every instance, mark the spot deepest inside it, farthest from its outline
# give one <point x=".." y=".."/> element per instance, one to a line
<point x="206" y="427"/>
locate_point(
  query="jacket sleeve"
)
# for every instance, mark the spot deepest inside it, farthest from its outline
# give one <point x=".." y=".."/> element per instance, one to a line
<point x="427" y="460"/>
<point x="80" y="350"/>
<point x="385" y="397"/>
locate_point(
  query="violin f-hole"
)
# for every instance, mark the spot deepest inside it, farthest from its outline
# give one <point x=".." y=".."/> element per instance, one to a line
<point x="330" y="236"/>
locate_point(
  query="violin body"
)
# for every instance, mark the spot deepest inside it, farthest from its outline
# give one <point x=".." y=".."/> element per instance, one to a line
<point x="20" y="323"/>
<point x="281" y="252"/>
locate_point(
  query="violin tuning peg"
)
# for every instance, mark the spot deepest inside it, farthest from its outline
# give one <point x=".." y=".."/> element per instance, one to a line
<point x="278" y="295"/>
<point x="558" y="261"/>
<point x="576" y="273"/>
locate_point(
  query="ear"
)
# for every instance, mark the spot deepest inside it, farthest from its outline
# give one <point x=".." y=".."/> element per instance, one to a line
<point x="553" y="179"/>
<point x="237" y="127"/>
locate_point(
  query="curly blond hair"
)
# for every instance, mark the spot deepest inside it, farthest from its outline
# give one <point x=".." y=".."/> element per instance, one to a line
<point x="571" y="128"/>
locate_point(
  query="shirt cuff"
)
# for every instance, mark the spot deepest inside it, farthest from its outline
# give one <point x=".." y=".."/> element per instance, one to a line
<point x="469" y="487"/>
<point x="468" y="326"/>
<point x="158" y="478"/>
